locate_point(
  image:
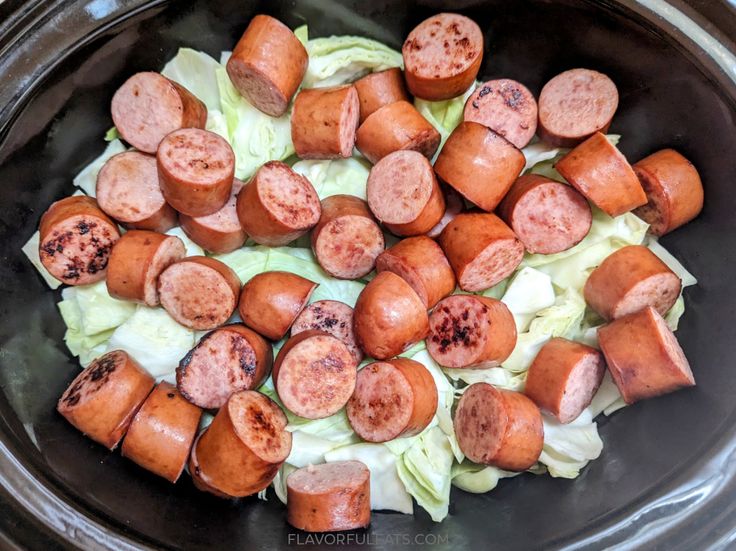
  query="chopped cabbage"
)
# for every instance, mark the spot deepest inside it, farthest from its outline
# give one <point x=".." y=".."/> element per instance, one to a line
<point x="216" y="123"/>
<point x="334" y="428"/>
<point x="529" y="292"/>
<point x="98" y="311"/>
<point x="342" y="176"/>
<point x="444" y="115"/>
<point x="112" y="134"/>
<point x="674" y="264"/>
<point x="568" y="448"/>
<point x="675" y="313"/>
<point x="477" y="479"/>
<point x="608" y="398"/>
<point x="195" y="71"/>
<point x="302" y="34"/>
<point x="86" y="180"/>
<point x="30" y="249"/>
<point x="308" y="449"/>
<point x="538" y="152"/>
<point x="496" y="376"/>
<point x="279" y="482"/>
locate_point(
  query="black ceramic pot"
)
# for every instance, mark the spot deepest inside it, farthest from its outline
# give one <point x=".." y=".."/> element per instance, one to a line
<point x="666" y="476"/>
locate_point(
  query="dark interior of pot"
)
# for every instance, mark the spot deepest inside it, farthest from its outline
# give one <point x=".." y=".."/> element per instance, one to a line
<point x="663" y="459"/>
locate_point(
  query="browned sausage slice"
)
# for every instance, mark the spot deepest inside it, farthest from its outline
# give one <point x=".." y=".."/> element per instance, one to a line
<point x="102" y="400"/>
<point x="148" y="106"/>
<point x="136" y="262"/>
<point x="392" y="399"/>
<point x="574" y="105"/>
<point x="324" y="121"/>
<point x="333" y="317"/>
<point x="198" y="479"/>
<point x="505" y="106"/>
<point x="196" y="170"/>
<point x="76" y="238"/>
<point x="314" y="374"/>
<point x="454" y="205"/>
<point x="442" y="56"/>
<point x="547" y="216"/>
<point x="403" y="193"/>
<point x="128" y="191"/>
<point x="600" y="172"/>
<point x="629" y="280"/>
<point x="329" y="497"/>
<point x="160" y="437"/>
<point x="643" y="356"/>
<point x="394" y="127"/>
<point x="271" y="301"/>
<point x="673" y="188"/>
<point x="224" y="361"/>
<point x="482" y="250"/>
<point x="422" y="264"/>
<point x="242" y="450"/>
<point x="219" y="232"/>
<point x="471" y="331"/>
<point x="480" y="164"/>
<point x="199" y="292"/>
<point x="268" y="65"/>
<point x="499" y="427"/>
<point x="346" y="240"/>
<point x="389" y="317"/>
<point x="277" y="205"/>
<point x="564" y="377"/>
<point x="378" y="89"/>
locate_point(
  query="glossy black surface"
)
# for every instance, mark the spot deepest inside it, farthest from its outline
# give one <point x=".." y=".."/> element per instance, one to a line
<point x="664" y="476"/>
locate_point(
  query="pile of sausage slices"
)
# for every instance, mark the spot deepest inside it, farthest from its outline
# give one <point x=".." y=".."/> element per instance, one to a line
<point x="179" y="171"/>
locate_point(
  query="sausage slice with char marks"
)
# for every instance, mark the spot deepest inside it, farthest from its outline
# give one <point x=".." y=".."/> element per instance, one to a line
<point x="224" y="361"/>
<point x="76" y="238"/>
<point x="160" y="437"/>
<point x="378" y="89"/>
<point x="499" y="427"/>
<point x="103" y="399"/>
<point x="333" y="317"/>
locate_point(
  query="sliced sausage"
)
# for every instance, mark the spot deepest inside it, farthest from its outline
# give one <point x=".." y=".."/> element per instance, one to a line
<point x="600" y="172"/>
<point x="574" y="105"/>
<point x="480" y="164"/>
<point x="394" y="127"/>
<point x="148" y="106"/>
<point x="442" y="56"/>
<point x="196" y="170"/>
<point x="547" y="216"/>
<point x="629" y="280"/>
<point x="268" y="65"/>
<point x="505" y="106"/>
<point x="454" y="205"/>
<point x="224" y="361"/>
<point x="324" y="121"/>
<point x="673" y="188"/>
<point x="499" y="427"/>
<point x="329" y="497"/>
<point x="314" y="374"/>
<point x="76" y="238"/>
<point x="219" y="232"/>
<point x="333" y="317"/>
<point x="346" y="240"/>
<point x="128" y="191"/>
<point x="137" y="260"/>
<point x="392" y="399"/>
<point x="277" y="205"/>
<point x="564" y="377"/>
<point x="403" y="193"/>
<point x="482" y="250"/>
<point x="471" y="331"/>
<point x="389" y="317"/>
<point x="198" y="479"/>
<point x="421" y="263"/>
<point x="643" y="356"/>
<point x="160" y="437"/>
<point x="242" y="450"/>
<point x="103" y="399"/>
<point x="271" y="301"/>
<point x="199" y="292"/>
<point x="378" y="89"/>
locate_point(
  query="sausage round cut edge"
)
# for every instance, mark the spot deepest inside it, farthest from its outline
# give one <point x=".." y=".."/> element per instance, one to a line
<point x="479" y="164"/>
<point x="499" y="427"/>
<point x="378" y="89"/>
<point x="333" y="317"/>
<point x="629" y="280"/>
<point x="160" y="437"/>
<point x="314" y="374"/>
<point x="199" y="292"/>
<point x="76" y="238"/>
<point x="471" y="331"/>
<point x="389" y="317"/>
<point x="643" y="356"/>
<point x="229" y="359"/>
<point x="564" y="377"/>
<point x="329" y="497"/>
<point x="392" y="399"/>
<point x="103" y="399"/>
